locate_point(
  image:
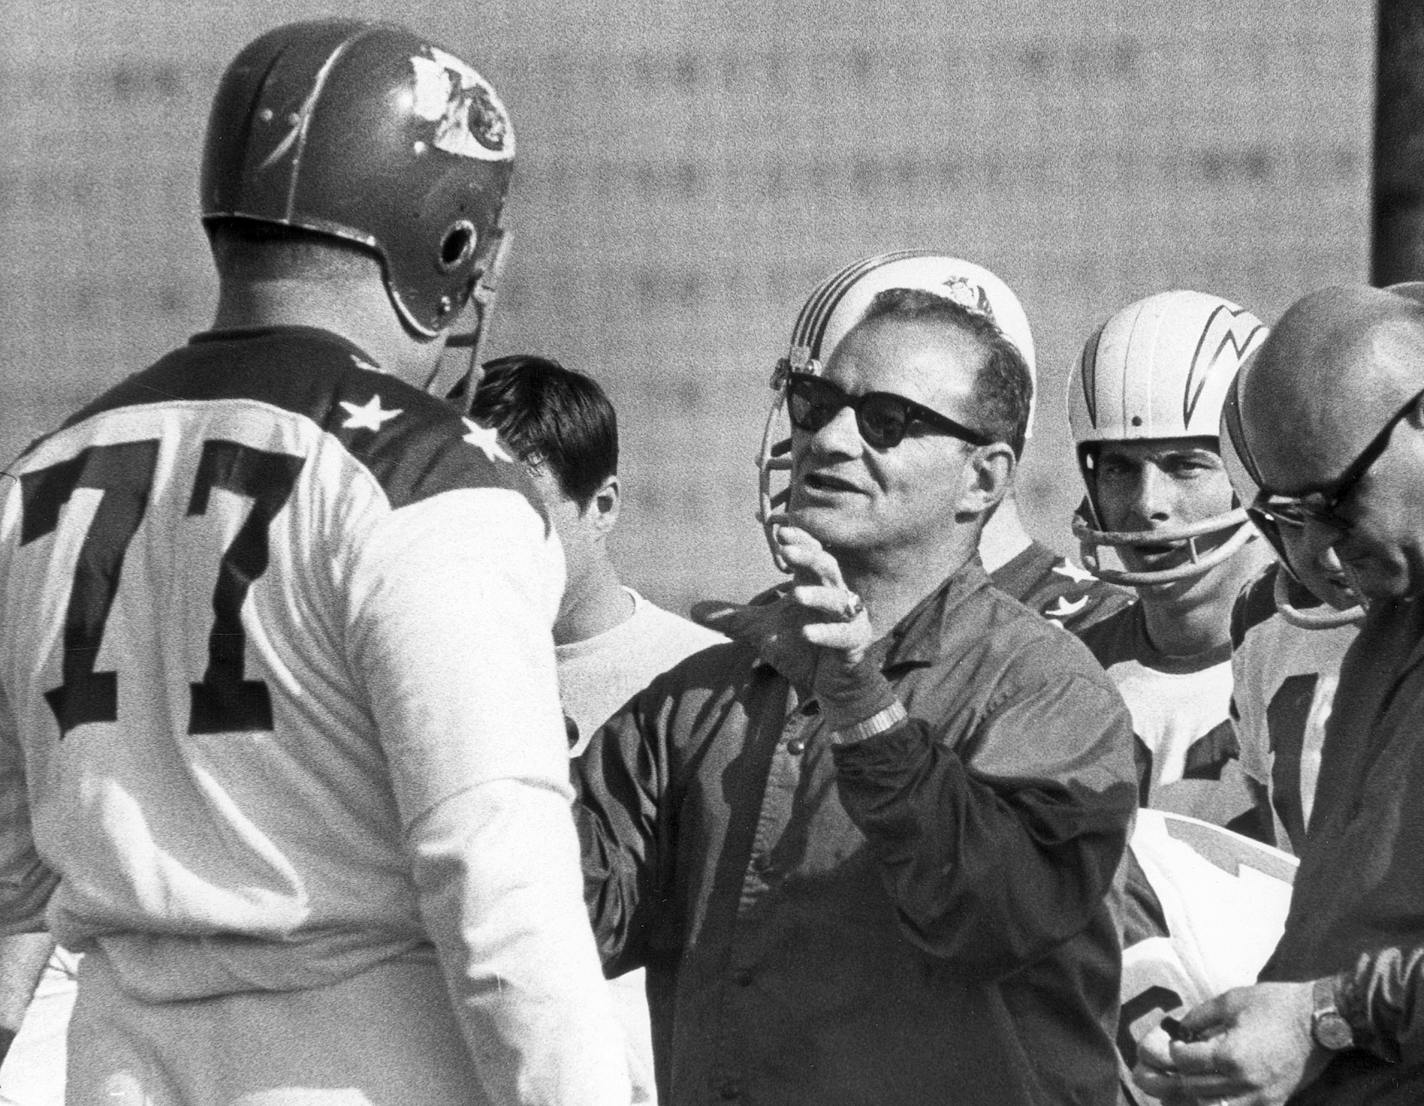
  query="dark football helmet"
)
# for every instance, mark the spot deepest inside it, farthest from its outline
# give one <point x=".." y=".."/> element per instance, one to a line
<point x="367" y="132"/>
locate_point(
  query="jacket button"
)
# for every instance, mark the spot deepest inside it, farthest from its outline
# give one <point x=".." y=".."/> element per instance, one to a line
<point x="796" y="746"/>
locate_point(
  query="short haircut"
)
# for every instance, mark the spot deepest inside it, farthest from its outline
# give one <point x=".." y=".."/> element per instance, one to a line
<point x="1003" y="390"/>
<point x="251" y="249"/>
<point x="551" y="416"/>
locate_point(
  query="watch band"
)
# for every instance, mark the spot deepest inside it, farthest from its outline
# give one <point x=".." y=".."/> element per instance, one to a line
<point x="877" y="723"/>
<point x="1328" y="1027"/>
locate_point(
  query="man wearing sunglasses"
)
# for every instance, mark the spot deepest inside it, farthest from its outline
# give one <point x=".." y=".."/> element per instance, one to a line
<point x="865" y="849"/>
<point x="1331" y="416"/>
<point x="1033" y="573"/>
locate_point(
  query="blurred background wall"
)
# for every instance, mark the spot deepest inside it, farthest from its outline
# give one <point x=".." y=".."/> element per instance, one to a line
<point x="688" y="171"/>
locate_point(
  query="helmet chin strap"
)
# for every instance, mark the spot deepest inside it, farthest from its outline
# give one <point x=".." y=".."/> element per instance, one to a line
<point x="462" y="380"/>
<point x="774" y="457"/>
<point x="1323" y="617"/>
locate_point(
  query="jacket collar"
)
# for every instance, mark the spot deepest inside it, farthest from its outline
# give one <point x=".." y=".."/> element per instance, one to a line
<point x="929" y="630"/>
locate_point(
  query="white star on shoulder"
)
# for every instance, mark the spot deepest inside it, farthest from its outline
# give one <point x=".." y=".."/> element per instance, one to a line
<point x="368" y="415"/>
<point x="1065" y="609"/>
<point x="486" y="439"/>
<point x="1067" y="568"/>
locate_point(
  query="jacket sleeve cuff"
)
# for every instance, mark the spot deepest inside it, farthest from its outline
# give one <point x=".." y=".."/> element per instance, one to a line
<point x="1368" y="997"/>
<point x="871" y="695"/>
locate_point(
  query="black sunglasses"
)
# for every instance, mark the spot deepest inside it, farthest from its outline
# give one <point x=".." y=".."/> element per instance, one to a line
<point x="883" y="418"/>
<point x="1323" y="505"/>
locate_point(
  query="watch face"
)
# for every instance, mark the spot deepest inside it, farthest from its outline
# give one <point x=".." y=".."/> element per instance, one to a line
<point x="1331" y="1031"/>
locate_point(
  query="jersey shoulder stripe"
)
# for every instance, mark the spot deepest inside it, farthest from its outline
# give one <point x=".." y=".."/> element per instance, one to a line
<point x="1115" y="639"/>
<point x="413" y="444"/>
<point x="1209" y="754"/>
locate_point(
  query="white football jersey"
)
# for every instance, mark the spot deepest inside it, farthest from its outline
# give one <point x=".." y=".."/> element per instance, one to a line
<point x="261" y="608"/>
<point x="1284" y="679"/>
<point x="1186" y="747"/>
<point x="1203" y="911"/>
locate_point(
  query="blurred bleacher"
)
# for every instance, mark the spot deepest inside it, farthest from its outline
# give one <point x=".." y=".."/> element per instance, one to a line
<point x="687" y="172"/>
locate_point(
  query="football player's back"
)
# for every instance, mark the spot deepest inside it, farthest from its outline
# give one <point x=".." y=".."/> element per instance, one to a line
<point x="279" y="726"/>
<point x="205" y="536"/>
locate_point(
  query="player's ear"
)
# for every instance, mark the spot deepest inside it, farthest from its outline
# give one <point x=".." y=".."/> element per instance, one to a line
<point x="605" y="504"/>
<point x="986" y="478"/>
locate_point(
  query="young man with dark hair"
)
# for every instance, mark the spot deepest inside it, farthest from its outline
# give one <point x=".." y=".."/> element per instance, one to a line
<point x="559" y="421"/>
<point x="608" y="639"/>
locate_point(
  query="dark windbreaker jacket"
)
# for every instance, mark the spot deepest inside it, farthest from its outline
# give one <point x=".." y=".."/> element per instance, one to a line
<point x="919" y="918"/>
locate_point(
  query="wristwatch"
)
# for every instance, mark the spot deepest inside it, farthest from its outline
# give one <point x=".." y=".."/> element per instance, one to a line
<point x="1328" y="1026"/>
<point x="877" y="723"/>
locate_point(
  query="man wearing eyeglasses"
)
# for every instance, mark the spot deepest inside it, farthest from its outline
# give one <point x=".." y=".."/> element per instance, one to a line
<point x="1290" y="629"/>
<point x="865" y="849"/>
<point x="1331" y="416"/>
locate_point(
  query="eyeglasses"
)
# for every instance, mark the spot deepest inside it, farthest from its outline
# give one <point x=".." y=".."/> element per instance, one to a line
<point x="1323" y="505"/>
<point x="883" y="418"/>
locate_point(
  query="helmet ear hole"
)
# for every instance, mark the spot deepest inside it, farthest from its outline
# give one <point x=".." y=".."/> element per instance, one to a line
<point x="458" y="245"/>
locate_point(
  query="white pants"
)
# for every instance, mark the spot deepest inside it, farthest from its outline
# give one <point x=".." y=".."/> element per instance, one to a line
<point x="387" y="1037"/>
<point x="630" y="1003"/>
<point x="33" y="1073"/>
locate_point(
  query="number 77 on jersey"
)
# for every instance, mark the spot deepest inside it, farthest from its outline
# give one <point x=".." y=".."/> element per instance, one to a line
<point x="223" y="700"/>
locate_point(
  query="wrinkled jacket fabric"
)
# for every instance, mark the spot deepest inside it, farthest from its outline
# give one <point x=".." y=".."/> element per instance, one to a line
<point x="918" y="918"/>
<point x="1358" y="903"/>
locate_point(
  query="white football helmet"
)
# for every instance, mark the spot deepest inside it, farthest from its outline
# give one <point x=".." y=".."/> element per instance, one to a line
<point x="1246" y="480"/>
<point x="1159" y="368"/>
<point x="838" y="303"/>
